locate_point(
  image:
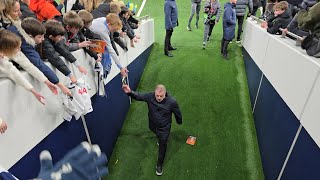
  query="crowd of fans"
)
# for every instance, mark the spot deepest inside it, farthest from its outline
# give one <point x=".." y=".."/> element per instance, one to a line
<point x="38" y="30"/>
<point x="34" y="30"/>
<point x="300" y="17"/>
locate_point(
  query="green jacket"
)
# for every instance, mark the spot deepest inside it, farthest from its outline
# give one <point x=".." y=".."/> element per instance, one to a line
<point x="310" y="20"/>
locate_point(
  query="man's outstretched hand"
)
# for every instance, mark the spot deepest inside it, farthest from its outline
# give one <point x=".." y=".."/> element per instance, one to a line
<point x="126" y="89"/>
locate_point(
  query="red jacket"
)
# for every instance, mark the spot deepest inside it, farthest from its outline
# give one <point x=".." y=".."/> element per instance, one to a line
<point x="44" y="9"/>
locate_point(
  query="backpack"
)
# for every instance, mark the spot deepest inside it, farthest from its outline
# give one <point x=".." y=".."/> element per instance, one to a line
<point x="312" y="45"/>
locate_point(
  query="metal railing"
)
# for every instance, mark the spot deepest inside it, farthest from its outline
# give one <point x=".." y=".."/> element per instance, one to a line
<point x="285" y="32"/>
<point x="143" y="17"/>
<point x="254" y="18"/>
<point x="299" y="39"/>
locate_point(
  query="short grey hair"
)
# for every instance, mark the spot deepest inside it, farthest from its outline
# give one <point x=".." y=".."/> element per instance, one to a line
<point x="160" y="88"/>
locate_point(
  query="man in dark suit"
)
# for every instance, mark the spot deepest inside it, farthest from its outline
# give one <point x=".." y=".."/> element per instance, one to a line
<point x="161" y="106"/>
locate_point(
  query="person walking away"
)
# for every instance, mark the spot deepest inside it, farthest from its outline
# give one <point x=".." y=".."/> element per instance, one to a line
<point x="195" y="8"/>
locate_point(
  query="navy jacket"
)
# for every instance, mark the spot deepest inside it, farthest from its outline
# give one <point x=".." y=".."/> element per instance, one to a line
<point x="171" y="14"/>
<point x="30" y="52"/>
<point x="26" y="11"/>
<point x="229" y="21"/>
<point x="160" y="113"/>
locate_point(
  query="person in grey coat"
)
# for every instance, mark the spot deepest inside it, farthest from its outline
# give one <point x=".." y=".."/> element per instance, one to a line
<point x="171" y="21"/>
<point x="212" y="10"/>
<point x="195" y="8"/>
<point x="240" y="12"/>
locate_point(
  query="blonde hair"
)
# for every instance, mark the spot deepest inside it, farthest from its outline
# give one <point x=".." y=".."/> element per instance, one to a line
<point x="90" y="5"/>
<point x="115" y="7"/>
<point x="86" y="16"/>
<point x="7" y="6"/>
<point x="121" y="4"/>
<point x="282" y="5"/>
<point x="72" y="19"/>
<point x="9" y="42"/>
<point x="114" y="21"/>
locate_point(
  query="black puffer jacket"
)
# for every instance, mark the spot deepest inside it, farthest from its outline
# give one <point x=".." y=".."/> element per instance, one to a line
<point x="160" y="113"/>
<point x="280" y="21"/>
<point x="48" y="48"/>
<point x="25" y="11"/>
<point x="101" y="11"/>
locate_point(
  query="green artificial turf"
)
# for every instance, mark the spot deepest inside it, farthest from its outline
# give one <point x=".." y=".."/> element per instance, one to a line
<point x="213" y="97"/>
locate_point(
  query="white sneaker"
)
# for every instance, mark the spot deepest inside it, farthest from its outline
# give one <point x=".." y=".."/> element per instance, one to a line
<point x="238" y="41"/>
<point x="188" y="28"/>
<point x="203" y="45"/>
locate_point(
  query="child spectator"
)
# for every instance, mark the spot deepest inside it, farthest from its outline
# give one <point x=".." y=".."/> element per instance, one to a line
<point x="229" y="25"/>
<point x="53" y="45"/>
<point x="124" y="16"/>
<point x="85" y="32"/>
<point x="105" y="8"/>
<point x="36" y="30"/>
<point x="104" y="27"/>
<point x="282" y="17"/>
<point x="212" y="11"/>
<point x="10" y="48"/>
<point x="133" y="22"/>
<point x="73" y="23"/>
<point x="10" y="17"/>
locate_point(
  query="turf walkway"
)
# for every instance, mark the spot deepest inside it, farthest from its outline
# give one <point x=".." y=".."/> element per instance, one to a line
<point x="213" y="97"/>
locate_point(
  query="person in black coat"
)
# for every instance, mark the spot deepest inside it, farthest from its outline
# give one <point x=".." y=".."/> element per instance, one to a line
<point x="282" y="17"/>
<point x="25" y="10"/>
<point x="161" y="106"/>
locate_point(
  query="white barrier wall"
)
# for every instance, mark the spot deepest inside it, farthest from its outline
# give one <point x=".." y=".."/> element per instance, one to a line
<point x="292" y="73"/>
<point x="29" y="121"/>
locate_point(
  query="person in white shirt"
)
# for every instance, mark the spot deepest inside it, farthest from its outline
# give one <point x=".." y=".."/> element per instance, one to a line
<point x="10" y="48"/>
<point x="103" y="27"/>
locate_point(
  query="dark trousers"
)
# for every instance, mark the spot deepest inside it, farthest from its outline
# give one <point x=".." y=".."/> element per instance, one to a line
<point x="167" y="41"/>
<point x="162" y="151"/>
<point x="224" y="46"/>
<point x="254" y="11"/>
<point x="240" y="23"/>
<point x="264" y="5"/>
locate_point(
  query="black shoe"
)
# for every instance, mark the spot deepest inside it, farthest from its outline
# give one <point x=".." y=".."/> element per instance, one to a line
<point x="172" y="48"/>
<point x="196" y="26"/>
<point x="225" y="56"/>
<point x="159" y="170"/>
<point x="168" y="54"/>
